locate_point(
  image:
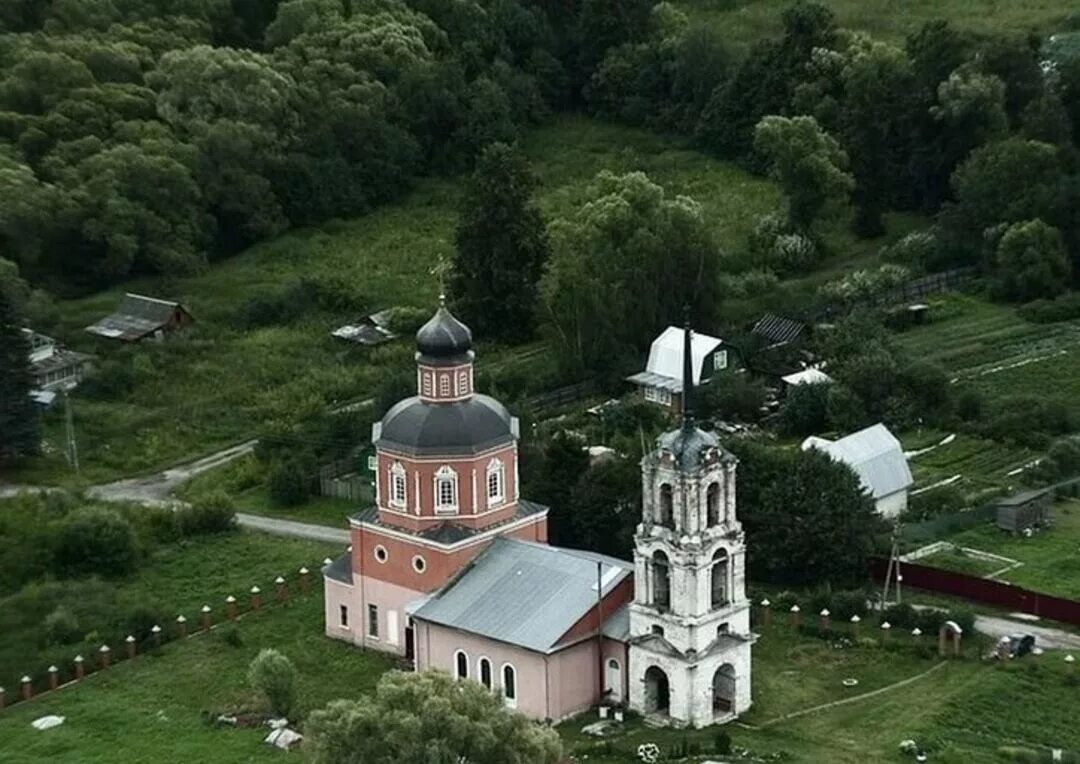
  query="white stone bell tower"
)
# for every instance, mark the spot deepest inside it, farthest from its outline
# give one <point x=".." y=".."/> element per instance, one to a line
<point x="690" y="620"/>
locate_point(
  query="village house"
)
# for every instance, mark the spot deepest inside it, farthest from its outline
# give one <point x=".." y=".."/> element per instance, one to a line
<point x="662" y="381"/>
<point x="54" y="368"/>
<point x="877" y="457"/>
<point x="451" y="567"/>
<point x="139" y="317"/>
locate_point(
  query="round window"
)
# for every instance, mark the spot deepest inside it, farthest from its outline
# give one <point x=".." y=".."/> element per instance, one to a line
<point x="419" y="564"/>
<point x="380" y="553"/>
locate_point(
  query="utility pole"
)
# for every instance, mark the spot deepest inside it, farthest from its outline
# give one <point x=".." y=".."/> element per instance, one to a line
<point x="72" y="446"/>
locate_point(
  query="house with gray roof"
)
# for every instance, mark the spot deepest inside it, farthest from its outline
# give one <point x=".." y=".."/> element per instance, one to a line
<point x="139" y="317"/>
<point x="877" y="458"/>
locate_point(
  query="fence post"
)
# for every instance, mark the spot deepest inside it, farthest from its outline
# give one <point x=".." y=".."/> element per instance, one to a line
<point x="793" y="615"/>
<point x="824" y="616"/>
<point x="104" y="651"/>
<point x="885" y="626"/>
<point x="54" y="677"/>
<point x="129" y="641"/>
<point x="256" y="598"/>
<point x="230" y="607"/>
<point x="282" y="589"/>
<point x="181" y="626"/>
<point x="304" y="582"/>
<point x="1" y="698"/>
<point x="206" y="618"/>
<point x="766" y="612"/>
<point x="27" y="688"/>
<point x="156" y="631"/>
<point x="80" y="669"/>
<point x="855" y="626"/>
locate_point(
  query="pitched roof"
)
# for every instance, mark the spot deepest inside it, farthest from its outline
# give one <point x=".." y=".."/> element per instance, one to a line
<point x="136" y="317"/>
<point x="874" y="454"/>
<point x="666" y="355"/>
<point x="807" y="377"/>
<point x="340" y="569"/>
<point x="777" y="329"/>
<point x="523" y="593"/>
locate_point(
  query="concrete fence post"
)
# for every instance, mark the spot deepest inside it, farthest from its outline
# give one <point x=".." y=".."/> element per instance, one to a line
<point x="230" y="607"/>
<point x="855" y="620"/>
<point x="1070" y="664"/>
<point x="80" y="669"/>
<point x="766" y="612"/>
<point x="27" y="688"/>
<point x="156" y="632"/>
<point x="824" y="619"/>
<point x="206" y="618"/>
<point x="282" y="589"/>
<point x="793" y="615"/>
<point x="304" y="579"/>
<point x="54" y="677"/>
<point x="106" y="653"/>
<point x="256" y="598"/>
<point x="885" y="628"/>
<point x="916" y="635"/>
<point x="129" y="641"/>
<point x="181" y="626"/>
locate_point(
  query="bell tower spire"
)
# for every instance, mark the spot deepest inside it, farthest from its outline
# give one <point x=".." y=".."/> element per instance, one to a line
<point x="688" y="373"/>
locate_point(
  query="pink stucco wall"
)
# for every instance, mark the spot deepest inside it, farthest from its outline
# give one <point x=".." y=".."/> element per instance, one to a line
<point x="549" y="686"/>
<point x="388" y="598"/>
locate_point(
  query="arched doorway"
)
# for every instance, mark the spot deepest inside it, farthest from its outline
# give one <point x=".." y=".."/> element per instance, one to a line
<point x="657" y="691"/>
<point x="723" y="690"/>
<point x="613" y="680"/>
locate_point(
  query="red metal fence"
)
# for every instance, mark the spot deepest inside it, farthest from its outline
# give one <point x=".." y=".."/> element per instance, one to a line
<point x="984" y="590"/>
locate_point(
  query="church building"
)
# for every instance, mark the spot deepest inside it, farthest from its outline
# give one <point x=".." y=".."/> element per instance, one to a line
<point x="451" y="568"/>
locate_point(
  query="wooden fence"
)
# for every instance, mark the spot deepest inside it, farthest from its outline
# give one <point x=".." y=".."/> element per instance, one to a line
<point x="983" y="590"/>
<point x="563" y="395"/>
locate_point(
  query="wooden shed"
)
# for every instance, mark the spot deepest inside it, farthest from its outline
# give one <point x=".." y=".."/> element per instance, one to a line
<point x="139" y="317"/>
<point x="1025" y="510"/>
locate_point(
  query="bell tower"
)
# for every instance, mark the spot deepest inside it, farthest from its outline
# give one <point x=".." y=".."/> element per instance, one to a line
<point x="690" y="618"/>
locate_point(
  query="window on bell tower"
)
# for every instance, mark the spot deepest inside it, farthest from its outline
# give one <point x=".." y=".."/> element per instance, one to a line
<point x="661" y="581"/>
<point x="463" y="382"/>
<point x="667" y="506"/>
<point x="446" y="490"/>
<point x="444" y="385"/>
<point x="495" y="482"/>
<point x="719" y="587"/>
<point x="712" y="504"/>
<point x="397" y="485"/>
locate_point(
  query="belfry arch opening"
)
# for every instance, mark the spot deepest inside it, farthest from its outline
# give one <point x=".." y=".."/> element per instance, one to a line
<point x="661" y="581"/>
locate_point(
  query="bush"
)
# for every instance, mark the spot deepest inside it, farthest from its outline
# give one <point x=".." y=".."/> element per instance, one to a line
<point x="96" y="540"/>
<point x="210" y="513"/>
<point x="792" y="253"/>
<point x="110" y="380"/>
<point x="916" y="250"/>
<point x="274" y="676"/>
<point x="61" y="627"/>
<point x="722" y="742"/>
<point x="806" y="410"/>
<point x="1064" y="308"/>
<point x="943" y="500"/>
<point x="231" y="636"/>
<point x="289" y="485"/>
<point x="731" y="395"/>
<point x="407" y="320"/>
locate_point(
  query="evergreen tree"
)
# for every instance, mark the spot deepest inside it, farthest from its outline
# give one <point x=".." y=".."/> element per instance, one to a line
<point x="19" y="431"/>
<point x="501" y="247"/>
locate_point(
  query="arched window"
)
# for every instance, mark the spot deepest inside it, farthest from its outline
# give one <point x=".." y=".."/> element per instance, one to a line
<point x="509" y="684"/>
<point x="720" y="578"/>
<point x="463" y="382"/>
<point x="444" y="385"/>
<point x="446" y="490"/>
<point x="397" y="485"/>
<point x="661" y="581"/>
<point x="496" y="478"/>
<point x="484" y="669"/>
<point x="461" y="665"/>
<point x="667" y="506"/>
<point x="712" y="504"/>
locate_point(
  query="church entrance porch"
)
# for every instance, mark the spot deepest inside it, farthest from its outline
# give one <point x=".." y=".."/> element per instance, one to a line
<point x="723" y="690"/>
<point x="657" y="692"/>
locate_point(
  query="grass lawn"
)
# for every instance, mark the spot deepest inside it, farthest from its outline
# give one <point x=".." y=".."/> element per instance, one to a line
<point x="983" y="465"/>
<point x="152" y="709"/>
<point x="959" y="561"/>
<point x="1051" y="558"/>
<point x="178" y="579"/>
<point x="746" y="20"/>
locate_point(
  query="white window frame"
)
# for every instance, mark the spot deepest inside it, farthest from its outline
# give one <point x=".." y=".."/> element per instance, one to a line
<point x="495" y="477"/>
<point x="373" y="621"/>
<point x="463" y="382"/>
<point x="378" y="551"/>
<point x="419" y="564"/>
<point x="719" y="360"/>
<point x="659" y="395"/>
<point x="461" y="658"/>
<point x="444" y="385"/>
<point x="443" y="476"/>
<point x="509" y="699"/>
<point x="399" y="486"/>
<point x="428" y="385"/>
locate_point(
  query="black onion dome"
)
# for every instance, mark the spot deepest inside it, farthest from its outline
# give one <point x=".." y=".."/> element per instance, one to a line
<point x="443" y="336"/>
<point x="420" y="428"/>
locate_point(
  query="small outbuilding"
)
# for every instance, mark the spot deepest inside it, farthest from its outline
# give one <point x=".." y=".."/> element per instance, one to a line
<point x="661" y="382"/>
<point x="369" y="330"/>
<point x="876" y="456"/>
<point x="53" y="366"/>
<point x="776" y="331"/>
<point x="1024" y="511"/>
<point x="139" y="317"/>
<point x="809" y="376"/>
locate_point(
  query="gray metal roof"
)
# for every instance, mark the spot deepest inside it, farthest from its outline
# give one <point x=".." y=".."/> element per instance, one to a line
<point x="651" y="379"/>
<point x="417" y="427"/>
<point x="778" y="329"/>
<point x="524" y="594"/>
<point x="340" y="569"/>
<point x="874" y="454"/>
<point x="1021" y="498"/>
<point x="617" y="625"/>
<point x="443" y="337"/>
<point x="136" y="317"/>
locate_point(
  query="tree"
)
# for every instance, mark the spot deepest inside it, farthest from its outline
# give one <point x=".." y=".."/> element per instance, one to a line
<point x="19" y="421"/>
<point x="1031" y="261"/>
<point x="561" y="464"/>
<point x="807" y="162"/>
<point x="273" y="676"/>
<point x="806" y="409"/>
<point x="96" y="541"/>
<point x="605" y="507"/>
<point x="501" y="247"/>
<point x="427" y="717"/>
<point x="806" y="517"/>
<point x="625" y="263"/>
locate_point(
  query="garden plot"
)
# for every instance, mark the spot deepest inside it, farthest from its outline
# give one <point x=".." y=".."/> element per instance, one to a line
<point x="975" y="465"/>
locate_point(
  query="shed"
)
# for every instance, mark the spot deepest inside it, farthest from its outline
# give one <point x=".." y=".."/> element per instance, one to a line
<point x="777" y="330"/>
<point x="1025" y="510"/>
<point x="806" y="377"/>
<point x="139" y="317"/>
<point x="369" y="330"/>
<point x="53" y="366"/>
<point x="877" y="457"/>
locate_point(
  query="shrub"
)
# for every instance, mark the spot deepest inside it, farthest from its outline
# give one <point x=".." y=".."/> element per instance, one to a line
<point x="61" y="627"/>
<point x="731" y="395"/>
<point x="943" y="500"/>
<point x="96" y="540"/>
<point x="289" y="485"/>
<point x="140" y="617"/>
<point x="792" y="253"/>
<point x="722" y="742"/>
<point x="210" y="513"/>
<point x="1064" y="308"/>
<point x="274" y="676"/>
<point x="766" y="229"/>
<point x="806" y="410"/>
<point x="231" y="636"/>
<point x="752" y="283"/>
<point x="159" y="524"/>
<point x="916" y="250"/>
<point x="406" y="320"/>
<point x="110" y="380"/>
